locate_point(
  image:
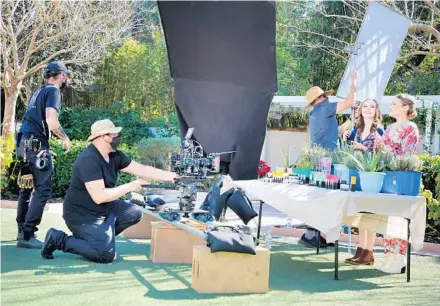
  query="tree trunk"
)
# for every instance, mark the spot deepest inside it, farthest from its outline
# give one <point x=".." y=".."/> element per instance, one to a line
<point x="11" y="95"/>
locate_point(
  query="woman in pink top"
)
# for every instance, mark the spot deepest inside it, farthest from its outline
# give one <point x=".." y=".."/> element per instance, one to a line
<point x="400" y="138"/>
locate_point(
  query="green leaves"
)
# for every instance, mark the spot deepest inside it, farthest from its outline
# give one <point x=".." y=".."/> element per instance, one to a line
<point x="367" y="162"/>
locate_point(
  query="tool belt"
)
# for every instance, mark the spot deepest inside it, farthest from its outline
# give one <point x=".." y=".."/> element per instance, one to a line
<point x="30" y="152"/>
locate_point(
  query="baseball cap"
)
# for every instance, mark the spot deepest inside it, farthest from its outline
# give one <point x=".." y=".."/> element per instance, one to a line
<point x="57" y="67"/>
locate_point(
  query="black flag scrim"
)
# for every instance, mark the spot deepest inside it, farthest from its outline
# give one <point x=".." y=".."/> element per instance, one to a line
<point x="222" y="61"/>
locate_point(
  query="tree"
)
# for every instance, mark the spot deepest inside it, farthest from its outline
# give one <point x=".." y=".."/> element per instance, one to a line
<point x="320" y="30"/>
<point x="77" y="32"/>
<point x="138" y="74"/>
<point x="423" y="35"/>
<point x="305" y="45"/>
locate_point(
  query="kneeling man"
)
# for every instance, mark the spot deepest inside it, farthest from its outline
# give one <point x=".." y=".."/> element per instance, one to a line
<point x="92" y="210"/>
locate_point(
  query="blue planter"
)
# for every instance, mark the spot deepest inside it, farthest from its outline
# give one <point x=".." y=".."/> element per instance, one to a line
<point x="389" y="182"/>
<point x="371" y="182"/>
<point x="355" y="172"/>
<point x="408" y="182"/>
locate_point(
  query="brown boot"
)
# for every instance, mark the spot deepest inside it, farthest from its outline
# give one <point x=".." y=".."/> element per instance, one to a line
<point x="358" y="253"/>
<point x="366" y="258"/>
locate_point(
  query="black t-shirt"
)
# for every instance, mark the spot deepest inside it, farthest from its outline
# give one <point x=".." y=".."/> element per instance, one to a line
<point x="79" y="206"/>
<point x="34" y="121"/>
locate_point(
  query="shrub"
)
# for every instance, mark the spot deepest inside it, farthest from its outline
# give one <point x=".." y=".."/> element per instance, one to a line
<point x="63" y="168"/>
<point x="433" y="208"/>
<point x="64" y="163"/>
<point x="431" y="186"/>
<point x="78" y="120"/>
<point x="431" y="173"/>
<point x="7" y="165"/>
<point x="154" y="151"/>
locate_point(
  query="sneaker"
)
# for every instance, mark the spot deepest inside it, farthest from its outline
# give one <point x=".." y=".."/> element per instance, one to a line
<point x="306" y="242"/>
<point x="49" y="245"/>
<point x="32" y="243"/>
<point x="311" y="243"/>
<point x="20" y="233"/>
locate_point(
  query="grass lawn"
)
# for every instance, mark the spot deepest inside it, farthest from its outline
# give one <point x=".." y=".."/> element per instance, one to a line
<point x="297" y="276"/>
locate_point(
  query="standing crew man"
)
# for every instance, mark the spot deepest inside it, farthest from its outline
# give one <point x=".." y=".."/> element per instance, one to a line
<point x="40" y="120"/>
<point x="324" y="133"/>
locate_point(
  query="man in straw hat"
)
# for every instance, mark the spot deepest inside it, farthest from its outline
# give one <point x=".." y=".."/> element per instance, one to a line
<point x="324" y="132"/>
<point x="92" y="209"/>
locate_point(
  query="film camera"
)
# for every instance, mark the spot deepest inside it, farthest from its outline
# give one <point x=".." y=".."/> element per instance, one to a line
<point x="192" y="162"/>
<point x="193" y="167"/>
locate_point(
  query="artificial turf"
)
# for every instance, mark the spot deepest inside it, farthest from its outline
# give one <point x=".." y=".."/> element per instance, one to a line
<point x="297" y="276"/>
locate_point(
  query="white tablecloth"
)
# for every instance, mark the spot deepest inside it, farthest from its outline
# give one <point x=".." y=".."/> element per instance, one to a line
<point x="324" y="209"/>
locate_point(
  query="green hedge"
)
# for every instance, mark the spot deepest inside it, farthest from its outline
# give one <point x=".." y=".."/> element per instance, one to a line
<point x="64" y="163"/>
<point x="431" y="185"/>
<point x="77" y="121"/>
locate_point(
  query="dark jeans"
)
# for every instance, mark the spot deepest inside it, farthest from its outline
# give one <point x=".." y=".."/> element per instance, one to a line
<point x="31" y="202"/>
<point x="96" y="241"/>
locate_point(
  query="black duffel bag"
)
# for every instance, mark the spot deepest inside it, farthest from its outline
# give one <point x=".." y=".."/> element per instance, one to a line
<point x="233" y="239"/>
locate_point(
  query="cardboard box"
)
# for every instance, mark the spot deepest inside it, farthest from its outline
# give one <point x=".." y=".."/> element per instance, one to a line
<point x="225" y="272"/>
<point x="170" y="244"/>
<point x="142" y="230"/>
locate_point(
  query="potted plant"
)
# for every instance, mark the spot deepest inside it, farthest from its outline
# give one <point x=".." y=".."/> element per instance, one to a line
<point x="389" y="181"/>
<point x="369" y="165"/>
<point x="302" y="119"/>
<point x="308" y="159"/>
<point x="292" y="119"/>
<point x="286" y="161"/>
<point x="405" y="173"/>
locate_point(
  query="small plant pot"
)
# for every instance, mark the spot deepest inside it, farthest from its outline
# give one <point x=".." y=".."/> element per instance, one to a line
<point x="302" y="171"/>
<point x="371" y="182"/>
<point x="389" y="182"/>
<point x="408" y="182"/>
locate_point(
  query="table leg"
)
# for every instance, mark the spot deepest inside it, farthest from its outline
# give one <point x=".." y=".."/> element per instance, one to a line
<point x="336" y="260"/>
<point x="408" y="255"/>
<point x="260" y="213"/>
<point x="318" y="236"/>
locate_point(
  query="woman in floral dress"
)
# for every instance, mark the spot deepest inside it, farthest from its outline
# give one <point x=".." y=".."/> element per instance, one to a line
<point x="400" y="138"/>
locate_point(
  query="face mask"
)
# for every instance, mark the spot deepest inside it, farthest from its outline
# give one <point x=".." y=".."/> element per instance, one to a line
<point x="115" y="142"/>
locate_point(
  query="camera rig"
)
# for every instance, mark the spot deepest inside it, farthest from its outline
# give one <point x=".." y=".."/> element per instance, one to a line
<point x="192" y="161"/>
<point x="194" y="168"/>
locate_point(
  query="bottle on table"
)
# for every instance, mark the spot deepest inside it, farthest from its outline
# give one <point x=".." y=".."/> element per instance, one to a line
<point x="353" y="183"/>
